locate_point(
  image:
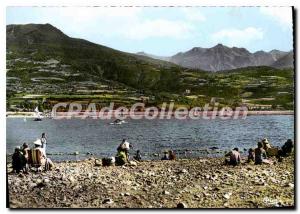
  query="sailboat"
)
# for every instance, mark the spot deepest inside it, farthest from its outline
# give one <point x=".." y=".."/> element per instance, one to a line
<point x="38" y="115"/>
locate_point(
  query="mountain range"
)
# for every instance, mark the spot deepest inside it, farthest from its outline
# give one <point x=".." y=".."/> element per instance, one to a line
<point x="221" y="57"/>
<point x="43" y="63"/>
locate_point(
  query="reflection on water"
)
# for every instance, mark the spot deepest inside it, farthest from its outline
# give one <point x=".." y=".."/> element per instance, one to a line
<point x="188" y="137"/>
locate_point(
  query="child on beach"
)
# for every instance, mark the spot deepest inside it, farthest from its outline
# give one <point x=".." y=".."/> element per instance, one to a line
<point x="251" y="155"/>
<point x="138" y="156"/>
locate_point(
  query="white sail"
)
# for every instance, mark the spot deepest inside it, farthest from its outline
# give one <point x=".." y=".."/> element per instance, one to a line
<point x="38" y="115"/>
<point x="36" y="110"/>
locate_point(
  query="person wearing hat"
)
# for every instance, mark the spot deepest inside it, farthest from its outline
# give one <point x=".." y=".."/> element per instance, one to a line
<point x="38" y="145"/>
<point x="268" y="148"/>
<point x="266" y="144"/>
<point x="38" y="156"/>
<point x="125" y="147"/>
<point x="260" y="153"/>
<point x="38" y="153"/>
<point x="18" y="160"/>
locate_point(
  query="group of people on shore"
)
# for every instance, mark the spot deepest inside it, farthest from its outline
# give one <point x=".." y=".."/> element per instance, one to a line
<point x="169" y="155"/>
<point x="25" y="157"/>
<point x="123" y="151"/>
<point x="261" y="154"/>
<point x="122" y="156"/>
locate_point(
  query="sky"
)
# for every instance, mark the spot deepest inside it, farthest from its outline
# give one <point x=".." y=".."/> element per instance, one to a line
<point x="165" y="31"/>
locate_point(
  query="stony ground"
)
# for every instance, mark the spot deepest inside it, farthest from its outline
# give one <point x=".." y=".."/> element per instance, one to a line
<point x="197" y="183"/>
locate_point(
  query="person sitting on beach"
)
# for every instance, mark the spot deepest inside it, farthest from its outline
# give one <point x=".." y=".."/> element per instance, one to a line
<point x="166" y="156"/>
<point x="285" y="150"/>
<point x="251" y="155"/>
<point x="260" y="154"/>
<point x="18" y="160"/>
<point x="125" y="147"/>
<point x="138" y="156"/>
<point x="266" y="145"/>
<point x="172" y="155"/>
<point x="37" y="157"/>
<point x="25" y="150"/>
<point x="44" y="142"/>
<point x="234" y="157"/>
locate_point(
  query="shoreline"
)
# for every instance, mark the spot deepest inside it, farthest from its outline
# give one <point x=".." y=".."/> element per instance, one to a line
<point x="198" y="183"/>
<point x="209" y="113"/>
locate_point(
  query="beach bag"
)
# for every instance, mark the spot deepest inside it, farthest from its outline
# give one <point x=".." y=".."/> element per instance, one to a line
<point x="108" y="161"/>
<point x="48" y="165"/>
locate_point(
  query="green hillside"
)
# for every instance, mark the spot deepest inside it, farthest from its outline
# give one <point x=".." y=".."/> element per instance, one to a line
<point x="44" y="66"/>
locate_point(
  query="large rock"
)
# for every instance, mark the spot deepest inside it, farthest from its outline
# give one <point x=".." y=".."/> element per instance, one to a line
<point x="181" y="205"/>
<point x="98" y="162"/>
<point x="107" y="201"/>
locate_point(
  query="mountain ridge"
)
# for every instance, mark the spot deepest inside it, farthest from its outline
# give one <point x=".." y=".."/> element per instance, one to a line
<point x="221" y="57"/>
<point x="42" y="63"/>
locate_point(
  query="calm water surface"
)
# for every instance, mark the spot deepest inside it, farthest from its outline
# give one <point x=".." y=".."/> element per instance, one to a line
<point x="150" y="136"/>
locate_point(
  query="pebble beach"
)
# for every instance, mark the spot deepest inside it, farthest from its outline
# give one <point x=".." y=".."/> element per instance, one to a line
<point x="188" y="183"/>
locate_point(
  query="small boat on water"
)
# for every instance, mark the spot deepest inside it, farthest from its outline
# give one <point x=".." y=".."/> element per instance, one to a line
<point x="38" y="115"/>
<point x="118" y="122"/>
<point x="37" y="119"/>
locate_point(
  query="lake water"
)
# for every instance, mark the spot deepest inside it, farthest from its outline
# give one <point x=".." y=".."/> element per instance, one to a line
<point x="195" y="137"/>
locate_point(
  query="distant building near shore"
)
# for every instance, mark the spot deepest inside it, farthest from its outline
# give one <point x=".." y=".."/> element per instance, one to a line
<point x="259" y="107"/>
<point x="187" y="91"/>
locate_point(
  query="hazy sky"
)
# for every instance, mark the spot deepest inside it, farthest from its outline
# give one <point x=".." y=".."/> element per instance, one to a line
<point x="166" y="31"/>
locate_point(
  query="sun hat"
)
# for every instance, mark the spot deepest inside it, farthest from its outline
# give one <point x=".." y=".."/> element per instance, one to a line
<point x="265" y="140"/>
<point x="37" y="142"/>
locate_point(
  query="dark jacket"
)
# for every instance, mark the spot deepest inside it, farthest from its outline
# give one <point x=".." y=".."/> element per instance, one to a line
<point x="18" y="161"/>
<point x="260" y="155"/>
